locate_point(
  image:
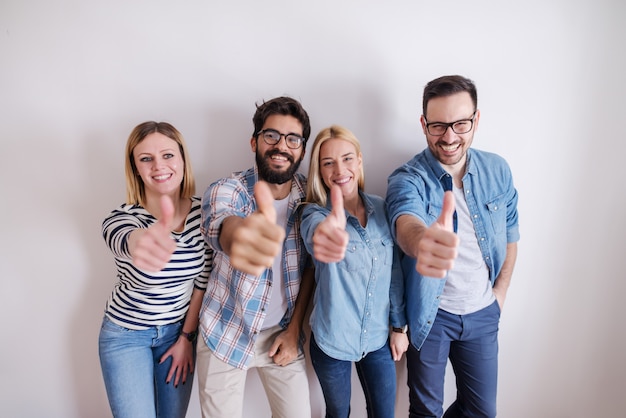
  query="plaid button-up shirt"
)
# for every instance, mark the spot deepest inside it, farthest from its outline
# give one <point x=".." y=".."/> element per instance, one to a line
<point x="233" y="309"/>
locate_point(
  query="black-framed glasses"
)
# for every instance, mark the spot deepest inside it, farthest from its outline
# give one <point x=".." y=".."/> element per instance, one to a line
<point x="462" y="126"/>
<point x="272" y="137"/>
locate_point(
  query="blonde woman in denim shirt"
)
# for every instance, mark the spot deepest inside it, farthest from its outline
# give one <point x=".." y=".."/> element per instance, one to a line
<point x="359" y="286"/>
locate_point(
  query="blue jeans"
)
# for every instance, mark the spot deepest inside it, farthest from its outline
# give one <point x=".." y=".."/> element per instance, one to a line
<point x="134" y="379"/>
<point x="471" y="343"/>
<point x="376" y="371"/>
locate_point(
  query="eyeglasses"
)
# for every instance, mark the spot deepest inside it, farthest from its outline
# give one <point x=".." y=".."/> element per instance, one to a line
<point x="272" y="137"/>
<point x="462" y="126"/>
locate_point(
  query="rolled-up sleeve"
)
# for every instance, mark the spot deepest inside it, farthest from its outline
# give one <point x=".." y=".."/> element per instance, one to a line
<point x="222" y="199"/>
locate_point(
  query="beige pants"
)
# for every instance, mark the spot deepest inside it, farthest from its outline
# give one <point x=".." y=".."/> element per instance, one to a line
<point x="221" y="386"/>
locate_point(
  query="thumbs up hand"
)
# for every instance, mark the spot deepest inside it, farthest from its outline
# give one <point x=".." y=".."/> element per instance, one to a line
<point x="330" y="238"/>
<point x="437" y="248"/>
<point x="257" y="239"/>
<point x="152" y="248"/>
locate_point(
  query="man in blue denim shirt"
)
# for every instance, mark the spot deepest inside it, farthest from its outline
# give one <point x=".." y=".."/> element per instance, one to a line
<point x="454" y="214"/>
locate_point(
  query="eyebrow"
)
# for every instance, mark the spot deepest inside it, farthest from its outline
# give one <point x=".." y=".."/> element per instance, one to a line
<point x="344" y="155"/>
<point x="454" y="121"/>
<point x="276" y="130"/>
<point x="159" y="152"/>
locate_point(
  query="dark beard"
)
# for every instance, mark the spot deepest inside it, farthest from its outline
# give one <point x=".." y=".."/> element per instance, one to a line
<point x="275" y="177"/>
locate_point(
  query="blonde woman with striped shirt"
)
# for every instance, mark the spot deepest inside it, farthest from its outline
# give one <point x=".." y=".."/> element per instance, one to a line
<point x="148" y="334"/>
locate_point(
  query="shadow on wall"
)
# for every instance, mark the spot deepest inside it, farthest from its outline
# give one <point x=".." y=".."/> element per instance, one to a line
<point x="386" y="140"/>
<point x="104" y="175"/>
<point x="226" y="148"/>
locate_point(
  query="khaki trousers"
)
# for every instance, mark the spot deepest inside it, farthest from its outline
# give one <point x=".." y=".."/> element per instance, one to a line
<point x="221" y="386"/>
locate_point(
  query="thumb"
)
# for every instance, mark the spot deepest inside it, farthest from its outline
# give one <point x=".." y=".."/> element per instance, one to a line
<point x="336" y="201"/>
<point x="167" y="213"/>
<point x="265" y="201"/>
<point x="274" y="348"/>
<point x="445" y="219"/>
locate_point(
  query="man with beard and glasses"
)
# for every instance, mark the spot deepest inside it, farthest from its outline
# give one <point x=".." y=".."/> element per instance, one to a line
<point x="262" y="278"/>
<point x="453" y="211"/>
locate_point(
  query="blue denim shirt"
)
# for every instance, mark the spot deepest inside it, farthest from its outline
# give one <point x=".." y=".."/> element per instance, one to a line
<point x="416" y="188"/>
<point x="357" y="298"/>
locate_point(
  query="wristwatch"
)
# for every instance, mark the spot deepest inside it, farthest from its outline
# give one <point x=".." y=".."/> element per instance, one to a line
<point x="191" y="336"/>
<point x="402" y="330"/>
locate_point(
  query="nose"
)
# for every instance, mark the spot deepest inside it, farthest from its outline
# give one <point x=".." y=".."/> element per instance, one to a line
<point x="282" y="142"/>
<point x="338" y="168"/>
<point x="157" y="163"/>
<point x="448" y="135"/>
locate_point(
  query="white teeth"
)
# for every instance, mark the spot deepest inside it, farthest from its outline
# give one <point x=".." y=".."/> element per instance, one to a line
<point x="450" y="147"/>
<point x="278" y="157"/>
<point x="342" y="181"/>
<point x="163" y="177"/>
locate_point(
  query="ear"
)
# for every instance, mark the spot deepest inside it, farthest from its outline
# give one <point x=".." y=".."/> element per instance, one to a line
<point x="476" y="119"/>
<point x="253" y="144"/>
<point x="423" y="122"/>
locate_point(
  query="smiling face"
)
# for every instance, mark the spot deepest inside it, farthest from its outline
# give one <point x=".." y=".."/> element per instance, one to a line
<point x="341" y="165"/>
<point x="450" y="148"/>
<point x="160" y="165"/>
<point x="278" y="163"/>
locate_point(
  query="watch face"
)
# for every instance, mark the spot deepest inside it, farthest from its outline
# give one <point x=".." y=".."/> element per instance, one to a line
<point x="191" y="336"/>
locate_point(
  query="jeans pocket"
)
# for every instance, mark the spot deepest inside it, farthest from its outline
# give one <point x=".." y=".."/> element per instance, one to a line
<point x="110" y="327"/>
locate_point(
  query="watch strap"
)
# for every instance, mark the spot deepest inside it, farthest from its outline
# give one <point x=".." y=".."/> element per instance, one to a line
<point x="191" y="336"/>
<point x="402" y="330"/>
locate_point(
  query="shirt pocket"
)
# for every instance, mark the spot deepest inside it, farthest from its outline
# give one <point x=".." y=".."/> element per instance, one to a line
<point x="496" y="208"/>
<point x="356" y="257"/>
<point x="387" y="251"/>
<point x="432" y="211"/>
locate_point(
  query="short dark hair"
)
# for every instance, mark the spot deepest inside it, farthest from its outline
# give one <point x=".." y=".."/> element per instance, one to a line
<point x="447" y="86"/>
<point x="282" y="106"/>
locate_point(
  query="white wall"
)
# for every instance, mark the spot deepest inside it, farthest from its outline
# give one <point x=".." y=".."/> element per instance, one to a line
<point x="76" y="76"/>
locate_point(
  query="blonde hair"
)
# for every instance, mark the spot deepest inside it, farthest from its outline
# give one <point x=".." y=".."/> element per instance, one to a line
<point x="135" y="188"/>
<point x="317" y="191"/>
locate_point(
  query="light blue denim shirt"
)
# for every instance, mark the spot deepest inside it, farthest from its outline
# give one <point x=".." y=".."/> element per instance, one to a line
<point x="416" y="188"/>
<point x="358" y="298"/>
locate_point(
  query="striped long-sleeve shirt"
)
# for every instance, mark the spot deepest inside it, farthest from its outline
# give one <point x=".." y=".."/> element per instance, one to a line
<point x="143" y="299"/>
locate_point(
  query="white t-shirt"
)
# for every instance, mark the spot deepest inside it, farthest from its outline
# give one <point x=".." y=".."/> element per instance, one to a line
<point x="467" y="288"/>
<point x="278" y="298"/>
